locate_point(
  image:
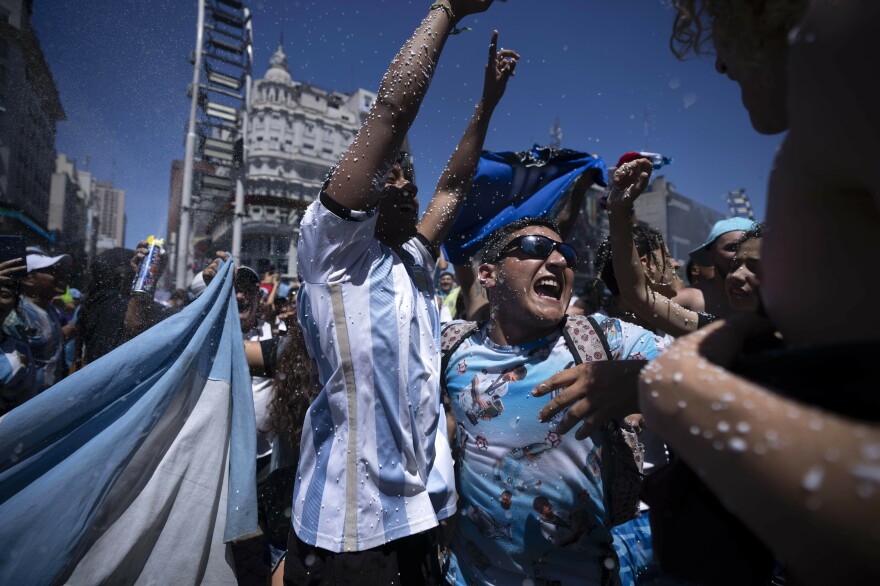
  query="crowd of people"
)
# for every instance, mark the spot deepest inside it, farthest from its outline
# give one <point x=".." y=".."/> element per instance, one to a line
<point x="425" y="422"/>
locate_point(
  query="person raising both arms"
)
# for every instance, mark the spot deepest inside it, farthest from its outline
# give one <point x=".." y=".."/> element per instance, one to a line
<point x="374" y="475"/>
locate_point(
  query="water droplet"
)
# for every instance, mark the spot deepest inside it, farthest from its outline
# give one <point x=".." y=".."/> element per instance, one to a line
<point x="812" y="480"/>
<point x="871" y="451"/>
<point x="737" y="444"/>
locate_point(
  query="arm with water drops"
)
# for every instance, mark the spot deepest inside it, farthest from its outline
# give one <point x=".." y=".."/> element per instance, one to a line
<point x="804" y="480"/>
<point x="357" y="182"/>
<point x="655" y="308"/>
<point x="457" y="178"/>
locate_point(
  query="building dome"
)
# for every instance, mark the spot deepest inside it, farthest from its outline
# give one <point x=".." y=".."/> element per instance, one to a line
<point x="278" y="71"/>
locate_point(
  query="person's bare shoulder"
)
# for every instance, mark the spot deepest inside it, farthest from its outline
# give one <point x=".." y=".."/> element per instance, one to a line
<point x="690" y="298"/>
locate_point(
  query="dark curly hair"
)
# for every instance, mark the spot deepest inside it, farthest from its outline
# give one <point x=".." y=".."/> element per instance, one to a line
<point x="698" y="21"/>
<point x="648" y="241"/>
<point x="292" y="377"/>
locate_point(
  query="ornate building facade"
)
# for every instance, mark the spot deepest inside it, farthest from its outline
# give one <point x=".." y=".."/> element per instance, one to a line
<point x="296" y="133"/>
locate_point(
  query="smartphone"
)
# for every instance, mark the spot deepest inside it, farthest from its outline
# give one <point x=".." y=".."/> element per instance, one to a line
<point x="13" y="246"/>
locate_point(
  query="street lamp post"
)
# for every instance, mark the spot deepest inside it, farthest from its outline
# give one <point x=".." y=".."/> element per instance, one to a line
<point x="242" y="174"/>
<point x="182" y="264"/>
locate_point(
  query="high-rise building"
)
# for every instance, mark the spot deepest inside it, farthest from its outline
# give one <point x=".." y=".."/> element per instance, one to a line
<point x="110" y="205"/>
<point x="68" y="206"/>
<point x="29" y="110"/>
<point x="297" y="132"/>
<point x="683" y="222"/>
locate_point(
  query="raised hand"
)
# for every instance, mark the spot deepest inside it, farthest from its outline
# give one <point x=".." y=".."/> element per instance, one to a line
<point x="630" y="181"/>
<point x="500" y="68"/>
<point x="593" y="393"/>
<point x="211" y="270"/>
<point x="140" y="253"/>
<point x="9" y="267"/>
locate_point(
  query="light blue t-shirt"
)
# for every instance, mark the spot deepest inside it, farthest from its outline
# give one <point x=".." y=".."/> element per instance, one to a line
<point x="47" y="344"/>
<point x="532" y="502"/>
<point x="16" y="373"/>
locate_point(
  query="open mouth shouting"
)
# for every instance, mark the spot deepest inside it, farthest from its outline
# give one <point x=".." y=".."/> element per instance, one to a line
<point x="548" y="288"/>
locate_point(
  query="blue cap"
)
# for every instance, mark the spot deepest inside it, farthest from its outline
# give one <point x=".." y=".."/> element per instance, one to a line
<point x="700" y="255"/>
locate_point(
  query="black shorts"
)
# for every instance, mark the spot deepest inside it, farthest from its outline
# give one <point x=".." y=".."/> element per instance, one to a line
<point x="412" y="560"/>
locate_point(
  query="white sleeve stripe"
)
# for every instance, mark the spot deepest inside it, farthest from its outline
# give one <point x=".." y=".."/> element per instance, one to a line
<point x="351" y="493"/>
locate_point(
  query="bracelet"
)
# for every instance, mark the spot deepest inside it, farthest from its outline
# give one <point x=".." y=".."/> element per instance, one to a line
<point x="448" y="10"/>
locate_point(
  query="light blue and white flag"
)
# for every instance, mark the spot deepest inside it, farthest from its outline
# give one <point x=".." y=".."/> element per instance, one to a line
<point x="140" y="467"/>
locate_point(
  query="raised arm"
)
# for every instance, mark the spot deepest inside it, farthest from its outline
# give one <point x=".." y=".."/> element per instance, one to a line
<point x="457" y="178"/>
<point x="630" y="180"/>
<point x="360" y="175"/>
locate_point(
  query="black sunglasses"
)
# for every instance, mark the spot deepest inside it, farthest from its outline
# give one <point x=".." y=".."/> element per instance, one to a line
<point x="542" y="247"/>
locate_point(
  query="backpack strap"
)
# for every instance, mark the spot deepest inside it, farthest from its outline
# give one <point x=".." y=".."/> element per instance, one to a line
<point x="451" y="337"/>
<point x="624" y="455"/>
<point x="585" y="339"/>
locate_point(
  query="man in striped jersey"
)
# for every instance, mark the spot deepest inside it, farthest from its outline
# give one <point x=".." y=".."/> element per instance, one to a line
<point x="374" y="475"/>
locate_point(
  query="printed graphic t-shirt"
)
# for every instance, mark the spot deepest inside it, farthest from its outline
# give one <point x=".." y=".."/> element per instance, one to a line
<point x="532" y="501"/>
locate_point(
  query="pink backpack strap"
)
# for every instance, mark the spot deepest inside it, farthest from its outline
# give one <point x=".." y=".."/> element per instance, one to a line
<point x="585" y="339"/>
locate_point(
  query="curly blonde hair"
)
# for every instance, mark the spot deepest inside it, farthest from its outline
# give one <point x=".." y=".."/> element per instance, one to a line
<point x="697" y="22"/>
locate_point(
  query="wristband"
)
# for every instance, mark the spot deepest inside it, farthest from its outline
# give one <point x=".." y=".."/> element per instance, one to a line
<point x="448" y="10"/>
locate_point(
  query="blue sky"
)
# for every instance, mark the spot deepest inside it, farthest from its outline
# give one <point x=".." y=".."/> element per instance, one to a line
<point x="602" y="67"/>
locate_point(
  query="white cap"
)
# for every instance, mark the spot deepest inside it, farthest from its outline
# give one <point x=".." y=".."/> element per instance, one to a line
<point x="36" y="262"/>
<point x="198" y="285"/>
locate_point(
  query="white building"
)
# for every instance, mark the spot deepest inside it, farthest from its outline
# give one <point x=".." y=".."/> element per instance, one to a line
<point x="68" y="206"/>
<point x="296" y="133"/>
<point x="110" y="204"/>
<point x="683" y="222"/>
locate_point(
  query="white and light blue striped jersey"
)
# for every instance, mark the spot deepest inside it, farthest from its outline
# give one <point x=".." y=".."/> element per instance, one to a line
<point x="373" y="467"/>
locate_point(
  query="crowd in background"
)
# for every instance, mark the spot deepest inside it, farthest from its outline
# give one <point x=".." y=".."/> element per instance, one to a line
<point x="427" y="421"/>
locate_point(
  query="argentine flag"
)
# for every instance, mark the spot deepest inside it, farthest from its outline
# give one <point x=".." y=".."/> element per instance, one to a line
<point x="139" y="468"/>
